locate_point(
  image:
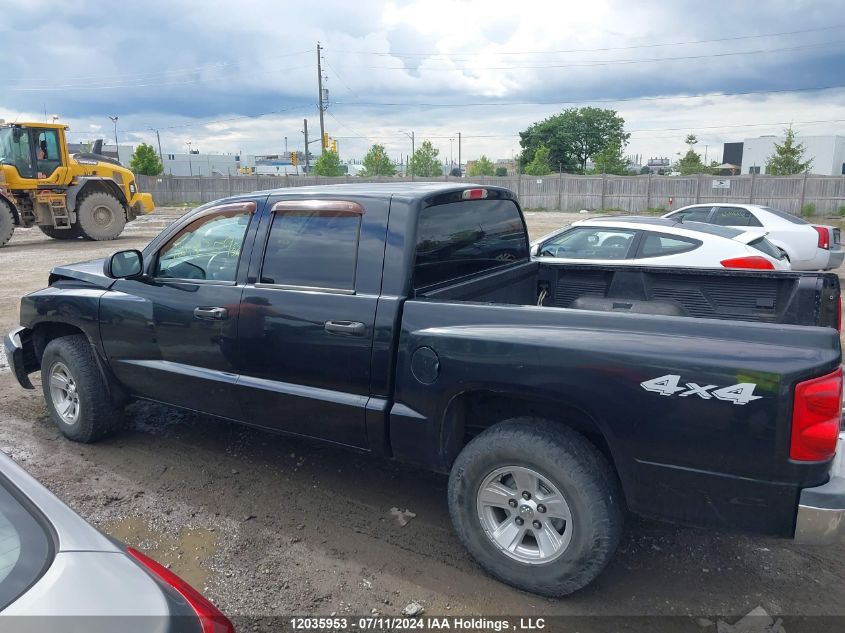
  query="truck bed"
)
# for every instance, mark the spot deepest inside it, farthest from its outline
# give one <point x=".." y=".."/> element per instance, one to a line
<point x="760" y="296"/>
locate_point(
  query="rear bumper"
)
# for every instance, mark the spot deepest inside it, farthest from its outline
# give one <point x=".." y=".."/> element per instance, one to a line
<point x="15" y="355"/>
<point x="835" y="259"/>
<point x="821" y="510"/>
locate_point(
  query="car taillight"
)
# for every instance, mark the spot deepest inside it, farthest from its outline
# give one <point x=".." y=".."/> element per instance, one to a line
<point x="474" y="194"/>
<point x="752" y="261"/>
<point x="211" y="619"/>
<point x="816" y="415"/>
<point x="824" y="237"/>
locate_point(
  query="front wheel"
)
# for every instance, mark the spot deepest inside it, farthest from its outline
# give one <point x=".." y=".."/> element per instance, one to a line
<point x="7" y="222"/>
<point x="76" y="394"/>
<point x="100" y="216"/>
<point x="537" y="505"/>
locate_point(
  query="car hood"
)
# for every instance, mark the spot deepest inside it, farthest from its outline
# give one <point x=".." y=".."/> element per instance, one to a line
<point x="90" y="272"/>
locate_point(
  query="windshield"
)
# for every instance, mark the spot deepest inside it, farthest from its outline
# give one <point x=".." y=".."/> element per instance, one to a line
<point x="15" y="150"/>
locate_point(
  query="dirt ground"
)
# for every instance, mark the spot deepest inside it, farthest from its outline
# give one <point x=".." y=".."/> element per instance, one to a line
<point x="269" y="525"/>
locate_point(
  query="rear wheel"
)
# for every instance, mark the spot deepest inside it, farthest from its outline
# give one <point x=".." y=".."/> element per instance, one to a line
<point x="7" y="222"/>
<point x="537" y="505"/>
<point x="61" y="234"/>
<point x="76" y="394"/>
<point x="100" y="216"/>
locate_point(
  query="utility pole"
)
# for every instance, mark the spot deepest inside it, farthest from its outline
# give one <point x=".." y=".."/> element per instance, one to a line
<point x="305" y="132"/>
<point x="116" y="146"/>
<point x="413" y="149"/>
<point x="286" y="145"/>
<point x="459" y="154"/>
<point x="190" y="165"/>
<point x="158" y="138"/>
<point x="322" y="107"/>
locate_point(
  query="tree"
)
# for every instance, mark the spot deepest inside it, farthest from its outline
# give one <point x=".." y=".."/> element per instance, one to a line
<point x="786" y="159"/>
<point x="573" y="137"/>
<point x="539" y="165"/>
<point x="377" y="163"/>
<point x="327" y="165"/>
<point x="645" y="170"/>
<point x="456" y="172"/>
<point x="145" y="161"/>
<point x="691" y="164"/>
<point x="501" y="171"/>
<point x="482" y="167"/>
<point x="425" y="163"/>
<point x="611" y="159"/>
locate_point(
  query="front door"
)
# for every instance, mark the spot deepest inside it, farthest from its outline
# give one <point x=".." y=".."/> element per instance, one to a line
<point x="306" y="328"/>
<point x="172" y="336"/>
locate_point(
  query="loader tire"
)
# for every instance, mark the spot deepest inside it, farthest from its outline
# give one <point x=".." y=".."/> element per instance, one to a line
<point x="100" y="216"/>
<point x="7" y="222"/>
<point x="61" y="234"/>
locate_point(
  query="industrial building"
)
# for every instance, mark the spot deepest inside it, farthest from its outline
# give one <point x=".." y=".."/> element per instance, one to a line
<point x="826" y="152"/>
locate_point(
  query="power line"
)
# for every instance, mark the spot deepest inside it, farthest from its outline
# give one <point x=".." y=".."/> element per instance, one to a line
<point x="606" y="48"/>
<point x="582" y="101"/>
<point x="614" y="62"/>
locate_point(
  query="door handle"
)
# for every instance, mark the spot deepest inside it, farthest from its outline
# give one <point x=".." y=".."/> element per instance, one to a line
<point x="211" y="314"/>
<point x="350" y="328"/>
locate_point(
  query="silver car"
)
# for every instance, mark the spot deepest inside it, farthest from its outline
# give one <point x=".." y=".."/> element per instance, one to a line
<point x="58" y="573"/>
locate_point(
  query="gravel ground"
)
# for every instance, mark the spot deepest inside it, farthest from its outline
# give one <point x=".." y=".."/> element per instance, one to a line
<point x="270" y="525"/>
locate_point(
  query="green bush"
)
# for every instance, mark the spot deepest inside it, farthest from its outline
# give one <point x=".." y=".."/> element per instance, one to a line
<point x="808" y="209"/>
<point x="655" y="211"/>
<point x="842" y="211"/>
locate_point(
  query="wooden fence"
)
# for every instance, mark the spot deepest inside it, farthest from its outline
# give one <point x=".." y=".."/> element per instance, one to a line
<point x="566" y="192"/>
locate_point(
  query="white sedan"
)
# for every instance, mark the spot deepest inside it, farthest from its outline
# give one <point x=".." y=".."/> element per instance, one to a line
<point x="807" y="246"/>
<point x="643" y="241"/>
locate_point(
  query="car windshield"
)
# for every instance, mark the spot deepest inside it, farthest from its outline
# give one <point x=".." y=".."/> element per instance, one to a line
<point x="25" y="546"/>
<point x="785" y="216"/>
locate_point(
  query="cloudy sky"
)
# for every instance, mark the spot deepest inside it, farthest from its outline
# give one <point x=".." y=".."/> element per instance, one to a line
<point x="240" y="76"/>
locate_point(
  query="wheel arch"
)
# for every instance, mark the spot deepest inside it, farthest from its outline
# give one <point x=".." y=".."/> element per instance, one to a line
<point x="471" y="412"/>
<point x="46" y="331"/>
<point x="87" y="185"/>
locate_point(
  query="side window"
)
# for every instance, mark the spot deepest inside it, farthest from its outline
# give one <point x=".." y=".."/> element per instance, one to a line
<point x="698" y="214"/>
<point x="47" y="152"/>
<point x="734" y="216"/>
<point x="590" y="242"/>
<point x="15" y="150"/>
<point x="209" y="248"/>
<point x="660" y="245"/>
<point x="462" y="238"/>
<point x="313" y="244"/>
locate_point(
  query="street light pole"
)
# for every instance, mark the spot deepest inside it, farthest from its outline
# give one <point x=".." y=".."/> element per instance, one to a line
<point x="116" y="146"/>
<point x="190" y="166"/>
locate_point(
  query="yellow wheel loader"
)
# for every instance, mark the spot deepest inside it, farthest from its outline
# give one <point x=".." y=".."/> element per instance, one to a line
<point x="66" y="196"/>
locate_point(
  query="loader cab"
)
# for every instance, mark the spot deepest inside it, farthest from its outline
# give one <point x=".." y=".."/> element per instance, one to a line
<point x="30" y="153"/>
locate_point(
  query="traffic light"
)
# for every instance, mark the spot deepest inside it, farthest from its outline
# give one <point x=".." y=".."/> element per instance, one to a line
<point x="325" y="140"/>
<point x="334" y="146"/>
<point x="294" y="159"/>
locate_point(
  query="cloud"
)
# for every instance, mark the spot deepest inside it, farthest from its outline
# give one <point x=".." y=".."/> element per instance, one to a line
<point x="179" y="68"/>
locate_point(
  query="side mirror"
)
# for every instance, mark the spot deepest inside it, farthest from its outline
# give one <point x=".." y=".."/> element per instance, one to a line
<point x="535" y="250"/>
<point x="124" y="265"/>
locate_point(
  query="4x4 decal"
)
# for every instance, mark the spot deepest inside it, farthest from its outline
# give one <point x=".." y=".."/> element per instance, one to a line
<point x="668" y="385"/>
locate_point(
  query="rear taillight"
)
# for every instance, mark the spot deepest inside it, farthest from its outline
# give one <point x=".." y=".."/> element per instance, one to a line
<point x="816" y="415"/>
<point x="752" y="261"/>
<point x="824" y="237"/>
<point x="211" y="619"/>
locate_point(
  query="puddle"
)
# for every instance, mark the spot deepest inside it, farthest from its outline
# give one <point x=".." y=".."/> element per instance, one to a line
<point x="184" y="551"/>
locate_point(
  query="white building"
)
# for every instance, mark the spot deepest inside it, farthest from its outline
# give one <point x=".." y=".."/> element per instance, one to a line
<point x="827" y="152"/>
<point x="201" y="164"/>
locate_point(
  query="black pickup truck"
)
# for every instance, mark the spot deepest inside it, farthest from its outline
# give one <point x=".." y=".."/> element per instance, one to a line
<point x="409" y="320"/>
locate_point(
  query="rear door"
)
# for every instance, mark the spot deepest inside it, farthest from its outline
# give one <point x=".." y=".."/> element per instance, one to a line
<point x="307" y="317"/>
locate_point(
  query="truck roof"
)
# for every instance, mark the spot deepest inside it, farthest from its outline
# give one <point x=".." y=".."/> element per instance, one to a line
<point x="405" y="190"/>
<point x="28" y="124"/>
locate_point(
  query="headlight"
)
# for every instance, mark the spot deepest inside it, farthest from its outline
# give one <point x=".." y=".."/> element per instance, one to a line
<point x="132" y="187"/>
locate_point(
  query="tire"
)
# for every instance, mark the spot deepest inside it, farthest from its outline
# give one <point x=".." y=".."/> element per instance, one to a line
<point x="71" y="358"/>
<point x="7" y="222"/>
<point x="568" y="466"/>
<point x="100" y="216"/>
<point x="61" y="234"/>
